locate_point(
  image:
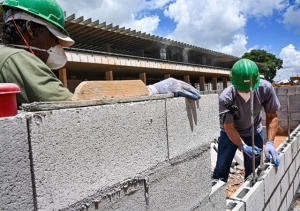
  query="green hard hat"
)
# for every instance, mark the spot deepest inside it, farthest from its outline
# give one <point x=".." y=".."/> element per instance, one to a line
<point x="48" y="10"/>
<point x="240" y="75"/>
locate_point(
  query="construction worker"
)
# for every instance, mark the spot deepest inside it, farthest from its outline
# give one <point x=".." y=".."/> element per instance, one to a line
<point x="33" y="35"/>
<point x="236" y="130"/>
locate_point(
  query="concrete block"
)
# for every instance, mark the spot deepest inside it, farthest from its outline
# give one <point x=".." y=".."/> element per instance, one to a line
<point x="191" y="123"/>
<point x="275" y="199"/>
<point x="299" y="181"/>
<point x="295" y="116"/>
<point x="297" y="162"/>
<point x="290" y="196"/>
<point x="77" y="152"/>
<point x="286" y="149"/>
<point x="182" y="183"/>
<point x="234" y="205"/>
<point x="294" y="143"/>
<point x="15" y="177"/>
<point x="284" y="185"/>
<point x="283" y="205"/>
<point x="127" y="195"/>
<point x="253" y="196"/>
<point x="272" y="176"/>
<point x="282" y="99"/>
<point x="296" y="182"/>
<point x="294" y="107"/>
<point x="267" y="207"/>
<point x="216" y="200"/>
<point x="292" y="171"/>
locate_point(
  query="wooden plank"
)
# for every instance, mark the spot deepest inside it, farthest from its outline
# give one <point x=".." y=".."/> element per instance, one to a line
<point x="97" y="90"/>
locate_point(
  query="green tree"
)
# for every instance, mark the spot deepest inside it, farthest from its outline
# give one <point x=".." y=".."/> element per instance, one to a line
<point x="268" y="64"/>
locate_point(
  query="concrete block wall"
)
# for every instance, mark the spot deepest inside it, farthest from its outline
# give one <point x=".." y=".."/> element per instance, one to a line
<point x="126" y="156"/>
<point x="276" y="186"/>
<point x="291" y="93"/>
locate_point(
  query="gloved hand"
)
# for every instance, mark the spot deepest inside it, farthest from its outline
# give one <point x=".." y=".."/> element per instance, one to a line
<point x="269" y="149"/>
<point x="248" y="150"/>
<point x="179" y="88"/>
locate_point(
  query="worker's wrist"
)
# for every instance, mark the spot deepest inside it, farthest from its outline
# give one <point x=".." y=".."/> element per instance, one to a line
<point x="152" y="90"/>
<point x="240" y="147"/>
<point x="269" y="143"/>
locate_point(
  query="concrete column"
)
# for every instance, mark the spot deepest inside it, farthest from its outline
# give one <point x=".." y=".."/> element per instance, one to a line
<point x="143" y="77"/>
<point x="109" y="76"/>
<point x="214" y="82"/>
<point x="167" y="76"/>
<point x="163" y="54"/>
<point x="187" y="79"/>
<point x="224" y="83"/>
<point x="106" y="47"/>
<point x="62" y="75"/>
<point x="202" y="83"/>
<point x="185" y="55"/>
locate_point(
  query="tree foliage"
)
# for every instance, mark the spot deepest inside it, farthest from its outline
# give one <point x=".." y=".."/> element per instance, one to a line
<point x="270" y="64"/>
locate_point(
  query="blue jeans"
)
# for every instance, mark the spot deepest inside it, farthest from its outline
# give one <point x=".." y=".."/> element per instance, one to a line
<point x="226" y="152"/>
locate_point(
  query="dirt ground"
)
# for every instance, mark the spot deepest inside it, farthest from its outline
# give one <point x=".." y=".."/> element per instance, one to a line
<point x="236" y="176"/>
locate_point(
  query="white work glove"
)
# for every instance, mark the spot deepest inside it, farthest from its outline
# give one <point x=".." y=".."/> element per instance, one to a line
<point x="177" y="87"/>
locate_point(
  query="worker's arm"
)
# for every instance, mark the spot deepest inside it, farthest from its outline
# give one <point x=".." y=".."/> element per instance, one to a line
<point x="235" y="137"/>
<point x="272" y="125"/>
<point x="177" y="87"/>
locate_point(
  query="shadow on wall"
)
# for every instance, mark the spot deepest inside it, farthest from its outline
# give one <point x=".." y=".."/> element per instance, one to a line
<point x="191" y="110"/>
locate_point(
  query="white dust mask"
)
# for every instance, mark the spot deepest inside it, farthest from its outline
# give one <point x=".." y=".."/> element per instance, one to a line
<point x="245" y="95"/>
<point x="57" y="57"/>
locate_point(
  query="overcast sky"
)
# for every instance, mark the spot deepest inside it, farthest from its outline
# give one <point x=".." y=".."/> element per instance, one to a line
<point x="229" y="26"/>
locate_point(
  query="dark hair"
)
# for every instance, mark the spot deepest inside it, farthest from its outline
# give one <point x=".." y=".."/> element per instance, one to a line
<point x="10" y="32"/>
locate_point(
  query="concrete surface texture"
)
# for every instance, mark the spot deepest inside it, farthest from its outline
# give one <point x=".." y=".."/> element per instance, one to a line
<point x="147" y="155"/>
<point x="126" y="156"/>
<point x="15" y="177"/>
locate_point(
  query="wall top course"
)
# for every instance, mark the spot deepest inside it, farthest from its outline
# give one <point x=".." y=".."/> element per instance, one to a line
<point x="290" y="90"/>
<point x="48" y="106"/>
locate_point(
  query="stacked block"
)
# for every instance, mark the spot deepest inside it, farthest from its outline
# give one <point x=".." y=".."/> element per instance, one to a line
<point x="147" y="155"/>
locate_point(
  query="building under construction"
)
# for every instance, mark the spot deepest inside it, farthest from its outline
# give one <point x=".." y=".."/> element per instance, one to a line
<point x="107" y="52"/>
